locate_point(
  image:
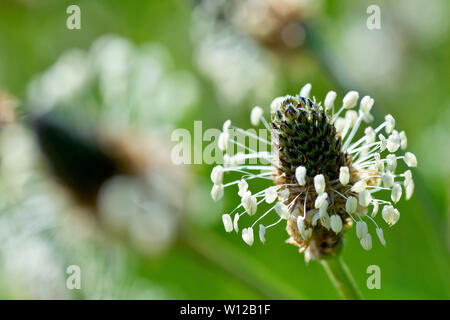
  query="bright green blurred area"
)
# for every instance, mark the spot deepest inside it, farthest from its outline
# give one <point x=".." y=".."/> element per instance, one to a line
<point x="413" y="86"/>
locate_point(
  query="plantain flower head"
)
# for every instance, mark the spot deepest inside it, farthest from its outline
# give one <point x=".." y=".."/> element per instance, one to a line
<point x="323" y="179"/>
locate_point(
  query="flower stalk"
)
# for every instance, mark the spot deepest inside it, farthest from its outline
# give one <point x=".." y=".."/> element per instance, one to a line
<point x="341" y="277"/>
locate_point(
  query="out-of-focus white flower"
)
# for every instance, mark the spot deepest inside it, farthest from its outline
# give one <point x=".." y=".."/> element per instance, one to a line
<point x="18" y="157"/>
<point x="62" y="81"/>
<point x="135" y="84"/>
<point x="222" y="56"/>
<point x="129" y="206"/>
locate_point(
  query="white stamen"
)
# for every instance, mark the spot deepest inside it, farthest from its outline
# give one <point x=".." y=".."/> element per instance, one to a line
<point x="364" y="198"/>
<point x="408" y="177"/>
<point x="323" y="209"/>
<point x="315" y="218"/>
<point x="350" y="99"/>
<point x="366" y="242"/>
<point x="329" y="100"/>
<point x="383" y="142"/>
<point x="305" y="233"/>
<point x="249" y="203"/>
<point x="247" y="236"/>
<point x="390" y="123"/>
<point x="344" y="175"/>
<point x="236" y="221"/>
<point x="226" y="126"/>
<point x="217" y="175"/>
<point x="340" y="125"/>
<point x="396" y="192"/>
<point x="381" y="236"/>
<point x="271" y="194"/>
<point x="321" y="198"/>
<point x="409" y="190"/>
<point x="336" y="223"/>
<point x="375" y="208"/>
<point x="301" y="224"/>
<point x="227" y="223"/>
<point x="285" y="194"/>
<point x="370" y="135"/>
<point x="359" y="186"/>
<point x="319" y="183"/>
<point x="217" y="192"/>
<point x="390" y="215"/>
<point x="223" y="141"/>
<point x="282" y="210"/>
<point x="300" y="174"/>
<point x="365" y="106"/>
<point x="255" y="115"/>
<point x="393" y="142"/>
<point x="325" y="221"/>
<point x="351" y="204"/>
<point x="379" y="165"/>
<point x="243" y="187"/>
<point x="403" y="140"/>
<point x="391" y="162"/>
<point x="305" y="91"/>
<point x="262" y="232"/>
<point x="276" y="104"/>
<point x="361" y="229"/>
<point x="388" y="180"/>
<point x="351" y="116"/>
<point x="410" y="159"/>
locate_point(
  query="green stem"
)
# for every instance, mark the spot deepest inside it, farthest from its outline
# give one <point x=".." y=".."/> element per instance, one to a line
<point x="341" y="278"/>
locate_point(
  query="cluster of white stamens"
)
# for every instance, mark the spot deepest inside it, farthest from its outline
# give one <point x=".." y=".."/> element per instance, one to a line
<point x="369" y="173"/>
